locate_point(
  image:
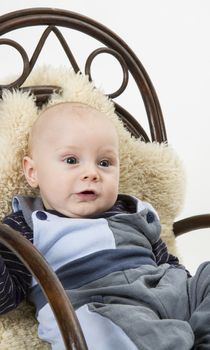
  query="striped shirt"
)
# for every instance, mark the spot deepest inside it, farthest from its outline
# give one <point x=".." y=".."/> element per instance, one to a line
<point x="15" y="279"/>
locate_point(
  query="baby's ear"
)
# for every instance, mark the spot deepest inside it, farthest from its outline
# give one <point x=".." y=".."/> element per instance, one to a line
<point x="30" y="172"/>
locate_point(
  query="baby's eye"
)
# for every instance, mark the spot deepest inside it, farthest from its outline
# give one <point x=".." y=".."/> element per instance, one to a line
<point x="104" y="163"/>
<point x="70" y="160"/>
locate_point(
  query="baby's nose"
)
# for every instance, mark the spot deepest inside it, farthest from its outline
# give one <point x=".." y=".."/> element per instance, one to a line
<point x="91" y="175"/>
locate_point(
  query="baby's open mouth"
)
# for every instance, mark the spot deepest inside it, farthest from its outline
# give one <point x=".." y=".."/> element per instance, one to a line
<point x="87" y="195"/>
<point x="87" y="192"/>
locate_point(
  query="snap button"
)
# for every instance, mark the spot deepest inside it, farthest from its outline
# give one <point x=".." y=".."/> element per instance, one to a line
<point x="150" y="217"/>
<point x="41" y="215"/>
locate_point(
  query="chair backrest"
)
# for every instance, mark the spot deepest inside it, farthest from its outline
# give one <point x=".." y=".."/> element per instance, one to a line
<point x="54" y="20"/>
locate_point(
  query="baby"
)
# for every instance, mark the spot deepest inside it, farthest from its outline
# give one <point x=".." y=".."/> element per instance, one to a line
<point x="74" y="159"/>
<point x="105" y="247"/>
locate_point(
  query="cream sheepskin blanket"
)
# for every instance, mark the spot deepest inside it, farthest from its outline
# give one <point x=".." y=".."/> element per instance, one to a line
<point x="152" y="172"/>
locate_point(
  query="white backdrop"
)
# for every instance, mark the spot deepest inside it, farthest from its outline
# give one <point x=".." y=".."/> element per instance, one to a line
<point x="173" y="42"/>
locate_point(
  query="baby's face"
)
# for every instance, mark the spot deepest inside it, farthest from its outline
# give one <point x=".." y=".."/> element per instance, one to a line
<point x="74" y="161"/>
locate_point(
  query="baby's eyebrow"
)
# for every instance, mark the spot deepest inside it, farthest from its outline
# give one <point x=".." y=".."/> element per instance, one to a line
<point x="67" y="148"/>
<point x="110" y="152"/>
<point x="108" y="148"/>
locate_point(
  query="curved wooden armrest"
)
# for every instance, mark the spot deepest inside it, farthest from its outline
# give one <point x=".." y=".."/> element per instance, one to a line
<point x="50" y="285"/>
<point x="191" y="223"/>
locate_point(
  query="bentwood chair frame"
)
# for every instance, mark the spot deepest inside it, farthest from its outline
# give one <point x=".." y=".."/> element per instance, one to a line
<point x="54" y="20"/>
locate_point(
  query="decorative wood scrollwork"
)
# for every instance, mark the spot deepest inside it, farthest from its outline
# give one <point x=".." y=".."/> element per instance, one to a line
<point x="53" y="20"/>
<point x="121" y="62"/>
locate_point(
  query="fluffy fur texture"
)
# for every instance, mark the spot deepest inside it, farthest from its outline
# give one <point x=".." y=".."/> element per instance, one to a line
<point x="152" y="172"/>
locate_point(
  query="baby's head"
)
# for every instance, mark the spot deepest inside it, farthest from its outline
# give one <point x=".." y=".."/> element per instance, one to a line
<point x="74" y="160"/>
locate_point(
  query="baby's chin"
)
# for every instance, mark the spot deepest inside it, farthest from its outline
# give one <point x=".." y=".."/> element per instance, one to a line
<point x="81" y="210"/>
<point x="85" y="213"/>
